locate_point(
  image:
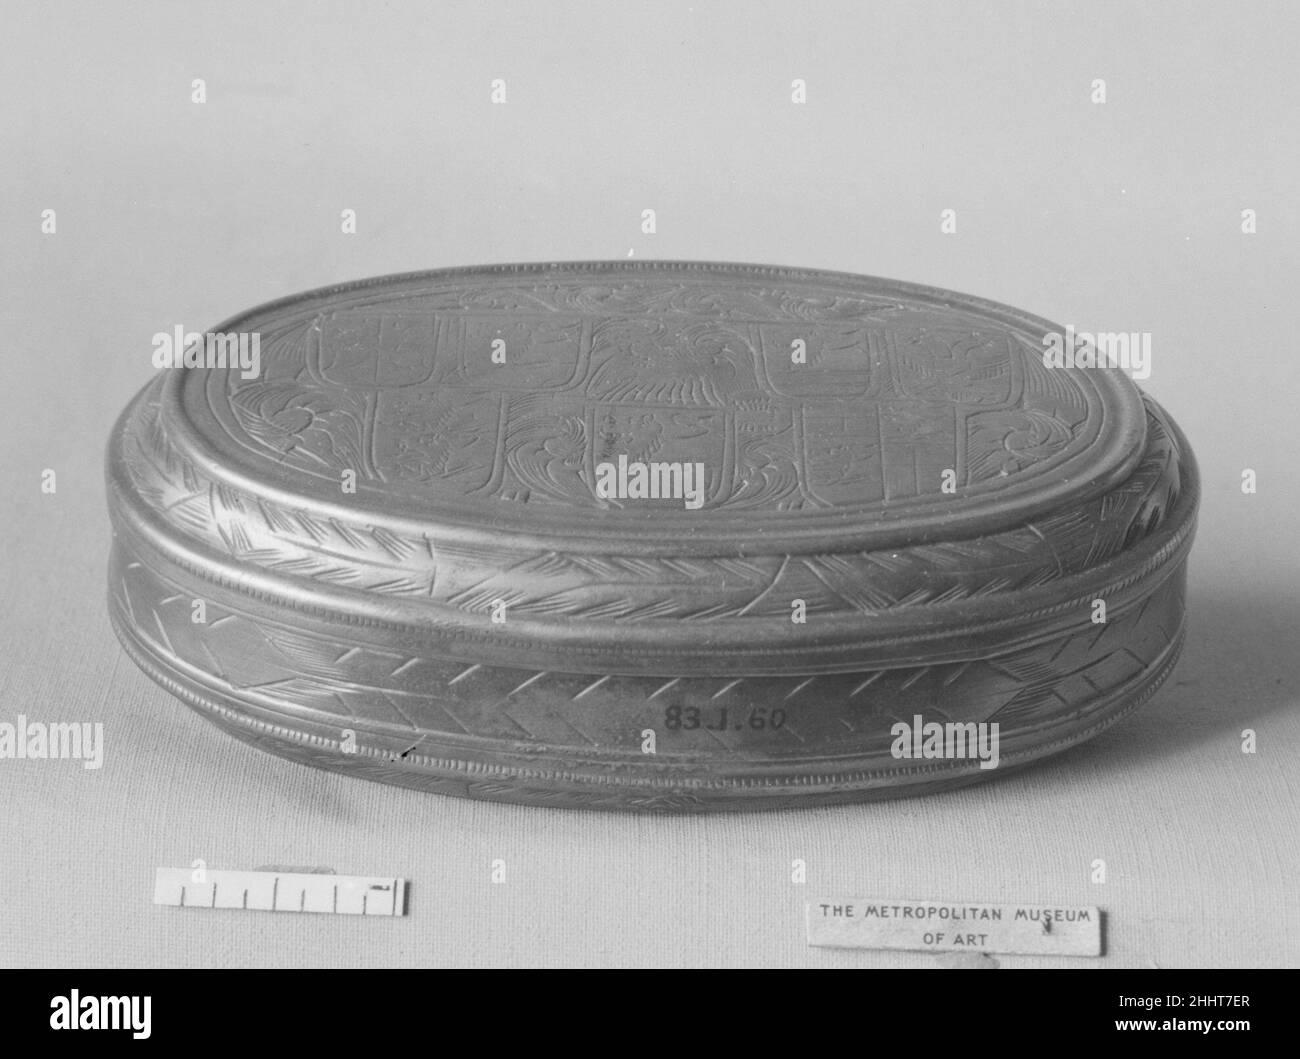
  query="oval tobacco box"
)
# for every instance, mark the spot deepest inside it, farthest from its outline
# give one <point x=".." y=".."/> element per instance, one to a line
<point x="648" y="535"/>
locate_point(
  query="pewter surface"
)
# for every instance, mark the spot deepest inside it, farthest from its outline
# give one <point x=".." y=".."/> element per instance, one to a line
<point x="397" y="383"/>
<point x="373" y="610"/>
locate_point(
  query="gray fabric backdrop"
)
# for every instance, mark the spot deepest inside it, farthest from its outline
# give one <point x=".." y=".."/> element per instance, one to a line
<point x="1117" y="216"/>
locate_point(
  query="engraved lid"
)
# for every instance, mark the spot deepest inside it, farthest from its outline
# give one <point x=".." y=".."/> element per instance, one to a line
<point x="432" y="453"/>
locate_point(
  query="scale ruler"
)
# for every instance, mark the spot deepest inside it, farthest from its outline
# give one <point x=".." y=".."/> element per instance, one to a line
<point x="278" y="891"/>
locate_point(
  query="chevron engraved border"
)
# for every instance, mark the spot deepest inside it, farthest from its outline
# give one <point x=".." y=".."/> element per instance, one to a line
<point x="321" y="558"/>
<point x="298" y="542"/>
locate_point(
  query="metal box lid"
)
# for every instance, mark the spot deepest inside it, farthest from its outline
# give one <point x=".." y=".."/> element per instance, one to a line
<point x="642" y="470"/>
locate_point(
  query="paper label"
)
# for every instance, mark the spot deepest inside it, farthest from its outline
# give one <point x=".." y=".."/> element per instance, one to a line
<point x="937" y="926"/>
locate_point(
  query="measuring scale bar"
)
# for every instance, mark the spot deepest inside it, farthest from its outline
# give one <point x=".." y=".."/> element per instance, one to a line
<point x="265" y="891"/>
